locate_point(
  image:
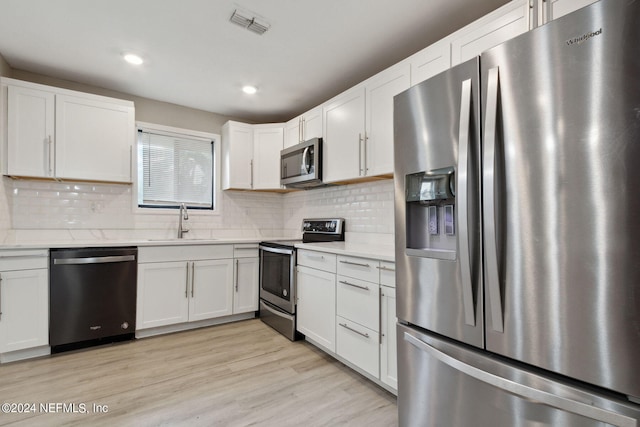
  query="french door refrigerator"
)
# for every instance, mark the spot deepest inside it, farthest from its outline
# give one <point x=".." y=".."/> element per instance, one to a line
<point x="517" y="209"/>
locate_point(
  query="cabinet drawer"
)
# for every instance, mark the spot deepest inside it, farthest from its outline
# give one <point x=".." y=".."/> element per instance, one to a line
<point x="360" y="268"/>
<point x="318" y="260"/>
<point x="183" y="253"/>
<point x="359" y="301"/>
<point x="388" y="274"/>
<point x="358" y="345"/>
<point x="24" y="259"/>
<point x="245" y="251"/>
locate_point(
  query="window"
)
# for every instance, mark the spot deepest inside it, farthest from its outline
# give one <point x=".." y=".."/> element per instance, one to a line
<point x="175" y="168"/>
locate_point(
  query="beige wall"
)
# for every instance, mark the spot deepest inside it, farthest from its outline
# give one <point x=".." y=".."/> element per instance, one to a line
<point x="5" y="69"/>
<point x="147" y="110"/>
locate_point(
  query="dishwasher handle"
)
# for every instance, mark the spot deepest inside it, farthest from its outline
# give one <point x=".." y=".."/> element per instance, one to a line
<point x="93" y="260"/>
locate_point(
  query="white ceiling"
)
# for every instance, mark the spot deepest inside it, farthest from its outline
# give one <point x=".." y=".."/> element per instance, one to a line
<point x="195" y="57"/>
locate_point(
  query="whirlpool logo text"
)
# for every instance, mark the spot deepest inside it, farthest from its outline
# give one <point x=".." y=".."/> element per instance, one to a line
<point x="583" y="38"/>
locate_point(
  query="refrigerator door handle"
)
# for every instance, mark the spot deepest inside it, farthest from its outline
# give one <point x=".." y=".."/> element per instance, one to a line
<point x="463" y="203"/>
<point x="585" y="408"/>
<point x="489" y="196"/>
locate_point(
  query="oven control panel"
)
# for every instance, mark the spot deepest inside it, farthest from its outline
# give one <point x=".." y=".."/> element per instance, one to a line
<point x="323" y="225"/>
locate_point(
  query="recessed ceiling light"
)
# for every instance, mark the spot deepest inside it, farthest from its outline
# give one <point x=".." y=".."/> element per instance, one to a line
<point x="249" y="89"/>
<point x="133" y="59"/>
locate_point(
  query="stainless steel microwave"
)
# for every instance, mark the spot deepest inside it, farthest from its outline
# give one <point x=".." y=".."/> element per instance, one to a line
<point x="301" y="165"/>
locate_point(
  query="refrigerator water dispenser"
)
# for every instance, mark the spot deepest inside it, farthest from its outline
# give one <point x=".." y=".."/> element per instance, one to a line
<point x="430" y="198"/>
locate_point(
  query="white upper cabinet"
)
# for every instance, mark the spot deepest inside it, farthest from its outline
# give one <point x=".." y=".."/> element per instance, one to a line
<point x="549" y="10"/>
<point x="251" y="156"/>
<point x="499" y="26"/>
<point x="237" y="156"/>
<point x="344" y="133"/>
<point x="358" y="127"/>
<point x="430" y="61"/>
<point x="378" y="144"/>
<point x="267" y="144"/>
<point x="304" y="127"/>
<point x="62" y="134"/>
<point x="93" y="139"/>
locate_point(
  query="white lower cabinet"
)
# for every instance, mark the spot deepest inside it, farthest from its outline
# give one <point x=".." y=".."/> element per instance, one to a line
<point x="245" y="278"/>
<point x="358" y="345"/>
<point x="388" y="344"/>
<point x="24" y="300"/>
<point x="316" y="309"/>
<point x="196" y="287"/>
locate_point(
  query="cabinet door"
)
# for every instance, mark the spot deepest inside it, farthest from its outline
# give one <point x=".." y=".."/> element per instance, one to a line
<point x="316" y="310"/>
<point x="344" y="128"/>
<point x="554" y="9"/>
<point x="312" y="124"/>
<point x="211" y="289"/>
<point x="246" y="285"/>
<point x="292" y="134"/>
<point x="94" y="139"/>
<point x="162" y="294"/>
<point x="499" y="26"/>
<point x="388" y="352"/>
<point x="378" y="146"/>
<point x="358" y="345"/>
<point x="24" y="308"/>
<point x="30" y="132"/>
<point x="430" y="61"/>
<point x="237" y="156"/>
<point x="267" y="144"/>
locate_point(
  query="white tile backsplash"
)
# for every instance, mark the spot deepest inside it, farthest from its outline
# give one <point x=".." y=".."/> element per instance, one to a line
<point x="44" y="210"/>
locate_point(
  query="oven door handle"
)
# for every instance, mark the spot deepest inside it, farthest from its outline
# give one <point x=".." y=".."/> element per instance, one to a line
<point x="275" y="311"/>
<point x="277" y="250"/>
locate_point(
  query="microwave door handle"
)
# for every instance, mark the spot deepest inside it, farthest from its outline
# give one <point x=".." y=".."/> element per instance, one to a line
<point x="305" y="160"/>
<point x="463" y="203"/>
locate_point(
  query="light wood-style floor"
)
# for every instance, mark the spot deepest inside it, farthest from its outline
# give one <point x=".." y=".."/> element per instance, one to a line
<point x="239" y="374"/>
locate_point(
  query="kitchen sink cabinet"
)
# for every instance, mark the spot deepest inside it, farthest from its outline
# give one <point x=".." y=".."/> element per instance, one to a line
<point x="358" y="127"/>
<point x="59" y="134"/>
<point x="198" y="285"/>
<point x="24" y="303"/>
<point x="303" y="127"/>
<point x="251" y="156"/>
<point x="245" y="278"/>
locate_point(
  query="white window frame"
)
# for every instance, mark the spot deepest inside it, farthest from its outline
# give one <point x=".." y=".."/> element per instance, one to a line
<point x="217" y="188"/>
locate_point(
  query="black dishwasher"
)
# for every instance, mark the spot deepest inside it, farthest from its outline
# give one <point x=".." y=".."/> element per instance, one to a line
<point x="92" y="296"/>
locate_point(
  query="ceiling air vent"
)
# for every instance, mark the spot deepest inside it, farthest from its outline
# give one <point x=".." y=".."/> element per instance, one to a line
<point x="247" y="20"/>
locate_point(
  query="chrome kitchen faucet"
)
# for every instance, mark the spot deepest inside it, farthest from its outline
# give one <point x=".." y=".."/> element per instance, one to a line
<point x="184" y="215"/>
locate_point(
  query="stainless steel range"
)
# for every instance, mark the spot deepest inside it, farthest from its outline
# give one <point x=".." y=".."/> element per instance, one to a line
<point x="277" y="273"/>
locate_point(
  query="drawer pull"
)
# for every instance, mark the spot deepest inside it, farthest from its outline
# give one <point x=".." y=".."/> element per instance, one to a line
<point x="366" y="288"/>
<point x="355" y="263"/>
<point x="318" y="257"/>
<point x="386" y="268"/>
<point x="344" y="325"/>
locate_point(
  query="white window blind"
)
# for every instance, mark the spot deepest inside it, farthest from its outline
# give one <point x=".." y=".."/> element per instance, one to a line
<point x="174" y="169"/>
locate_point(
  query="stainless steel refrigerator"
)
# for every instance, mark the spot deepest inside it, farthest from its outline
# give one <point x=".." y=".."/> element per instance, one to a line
<point x="517" y="209"/>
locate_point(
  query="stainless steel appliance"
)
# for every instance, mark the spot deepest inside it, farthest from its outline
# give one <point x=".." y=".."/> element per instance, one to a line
<point x="301" y="165"/>
<point x="277" y="273"/>
<point x="517" y="236"/>
<point x="92" y="296"/>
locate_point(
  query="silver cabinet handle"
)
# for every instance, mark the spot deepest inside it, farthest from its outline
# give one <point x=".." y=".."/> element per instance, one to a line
<point x="251" y="172"/>
<point x="318" y="257"/>
<point x="463" y="203"/>
<point x="344" y="325"/>
<point x="366" y="164"/>
<point x="360" y="154"/>
<point x="489" y="201"/>
<point x="354" y="263"/>
<point x="50" y="159"/>
<point x="193" y="280"/>
<point x="385" y="268"/>
<point x="0" y="296"/>
<point x="366" y="288"/>
<point x="186" y="283"/>
<point x="585" y="409"/>
<point x="237" y="262"/>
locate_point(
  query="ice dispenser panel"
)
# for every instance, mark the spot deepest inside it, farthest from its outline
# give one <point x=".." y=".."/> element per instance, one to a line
<point x="430" y="198"/>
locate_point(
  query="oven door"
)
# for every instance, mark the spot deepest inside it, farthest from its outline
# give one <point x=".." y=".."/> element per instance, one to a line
<point x="277" y="277"/>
